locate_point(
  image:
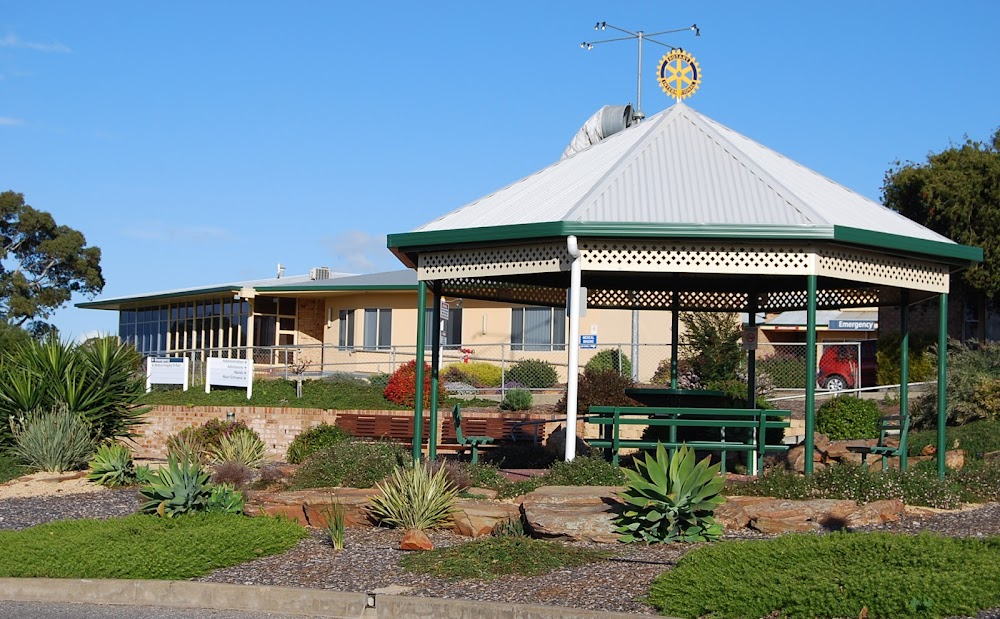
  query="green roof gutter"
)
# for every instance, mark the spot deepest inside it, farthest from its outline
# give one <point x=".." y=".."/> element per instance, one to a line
<point x="334" y="288"/>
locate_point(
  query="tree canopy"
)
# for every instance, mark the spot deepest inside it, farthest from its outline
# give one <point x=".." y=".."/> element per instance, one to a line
<point x="41" y="264"/>
<point x="957" y="194"/>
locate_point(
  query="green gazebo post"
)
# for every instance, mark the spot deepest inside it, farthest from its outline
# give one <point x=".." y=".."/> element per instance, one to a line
<point x="418" y="396"/>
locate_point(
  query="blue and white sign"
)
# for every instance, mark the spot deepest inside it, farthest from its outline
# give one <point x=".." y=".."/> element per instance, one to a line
<point x="588" y="341"/>
<point x="166" y="371"/>
<point x="853" y="325"/>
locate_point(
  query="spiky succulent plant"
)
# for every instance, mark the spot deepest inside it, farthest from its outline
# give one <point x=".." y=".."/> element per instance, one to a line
<point x="670" y="499"/>
<point x="112" y="466"/>
<point x="179" y="488"/>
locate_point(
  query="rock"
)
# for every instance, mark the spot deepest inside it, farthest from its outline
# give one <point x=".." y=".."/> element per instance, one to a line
<point x="556" y="443"/>
<point x="837" y="451"/>
<point x="783" y="516"/>
<point x="308" y="507"/>
<point x="732" y="516"/>
<point x="992" y="456"/>
<point x="415" y="540"/>
<point x="874" y="513"/>
<point x="474" y="518"/>
<point x="575" y="513"/>
<point x="953" y="459"/>
<point x="928" y="450"/>
<point x="483" y="493"/>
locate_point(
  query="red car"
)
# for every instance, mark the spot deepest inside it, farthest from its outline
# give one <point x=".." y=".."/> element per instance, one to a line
<point x="839" y="368"/>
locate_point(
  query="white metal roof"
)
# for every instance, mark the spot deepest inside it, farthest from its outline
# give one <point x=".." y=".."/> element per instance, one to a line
<point x="679" y="167"/>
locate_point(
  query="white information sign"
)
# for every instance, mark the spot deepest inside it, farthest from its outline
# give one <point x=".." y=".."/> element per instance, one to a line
<point x="445" y="310"/>
<point x="229" y="373"/>
<point x="749" y="338"/>
<point x="166" y="371"/>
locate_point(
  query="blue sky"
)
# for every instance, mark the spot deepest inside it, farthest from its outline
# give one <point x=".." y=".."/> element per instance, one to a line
<point x="202" y="143"/>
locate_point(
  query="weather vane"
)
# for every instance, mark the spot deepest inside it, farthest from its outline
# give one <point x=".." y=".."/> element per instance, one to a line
<point x="678" y="72"/>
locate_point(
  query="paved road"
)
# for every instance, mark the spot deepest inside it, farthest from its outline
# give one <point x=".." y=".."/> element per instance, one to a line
<point x="40" y="610"/>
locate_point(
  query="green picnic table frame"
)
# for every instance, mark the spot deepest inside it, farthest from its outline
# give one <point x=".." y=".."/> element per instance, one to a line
<point x="612" y="418"/>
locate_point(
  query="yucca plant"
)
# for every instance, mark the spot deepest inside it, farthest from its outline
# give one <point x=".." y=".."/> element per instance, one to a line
<point x="186" y="446"/>
<point x="112" y="466"/>
<point x="414" y="498"/>
<point x="336" y="520"/>
<point x="670" y="499"/>
<point x="52" y="440"/>
<point x="179" y="488"/>
<point x="225" y="499"/>
<point x="244" y="447"/>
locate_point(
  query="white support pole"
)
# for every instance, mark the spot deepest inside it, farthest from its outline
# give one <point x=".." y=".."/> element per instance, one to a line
<point x="573" y="364"/>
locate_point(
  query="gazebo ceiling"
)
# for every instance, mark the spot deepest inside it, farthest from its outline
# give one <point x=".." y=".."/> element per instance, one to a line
<point x="681" y="203"/>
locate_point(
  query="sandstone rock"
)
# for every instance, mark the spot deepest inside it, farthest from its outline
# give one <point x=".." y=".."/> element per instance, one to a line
<point x="928" y="450"/>
<point x="837" y="451"/>
<point x="732" y="516"/>
<point x="416" y="540"/>
<point x="474" y="518"/>
<point x="953" y="459"/>
<point x="575" y="513"/>
<point x="785" y="516"/>
<point x="308" y="507"/>
<point x="485" y="493"/>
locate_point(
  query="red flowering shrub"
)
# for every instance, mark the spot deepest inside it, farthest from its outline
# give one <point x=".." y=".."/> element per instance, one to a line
<point x="403" y="382"/>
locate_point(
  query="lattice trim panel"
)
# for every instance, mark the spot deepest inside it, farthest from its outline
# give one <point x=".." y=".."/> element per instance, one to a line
<point x="505" y="292"/>
<point x="695" y="257"/>
<point x="861" y="266"/>
<point x="493" y="261"/>
<point x="825" y="299"/>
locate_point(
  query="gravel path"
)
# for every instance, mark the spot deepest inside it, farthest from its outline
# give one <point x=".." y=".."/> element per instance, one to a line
<point x="370" y="560"/>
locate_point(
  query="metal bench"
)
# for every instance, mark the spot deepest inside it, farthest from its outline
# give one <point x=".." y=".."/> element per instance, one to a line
<point x="758" y="421"/>
<point x="889" y="426"/>
<point x="467" y="441"/>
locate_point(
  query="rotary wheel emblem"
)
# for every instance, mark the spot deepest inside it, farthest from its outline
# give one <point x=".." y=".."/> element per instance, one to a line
<point x="679" y="74"/>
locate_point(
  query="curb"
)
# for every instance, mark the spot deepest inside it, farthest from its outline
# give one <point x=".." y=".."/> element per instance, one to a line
<point x="285" y="600"/>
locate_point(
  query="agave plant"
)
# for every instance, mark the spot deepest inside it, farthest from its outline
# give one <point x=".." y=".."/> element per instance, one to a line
<point x="225" y="499"/>
<point x="112" y="466"/>
<point x="415" y="498"/>
<point x="179" y="488"/>
<point x="670" y="499"/>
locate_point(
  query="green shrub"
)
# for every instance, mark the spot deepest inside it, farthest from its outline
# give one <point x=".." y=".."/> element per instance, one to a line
<point x="379" y="380"/>
<point x="610" y="359"/>
<point x="10" y="467"/>
<point x="973" y="385"/>
<point x="112" y="466"/>
<point x="976" y="438"/>
<point x="839" y="575"/>
<point x="848" y="417"/>
<point x="179" y="488"/>
<point x="414" y="498"/>
<point x="352" y="464"/>
<point x="315" y="438"/>
<point x="590" y="470"/>
<point x="244" y="447"/>
<point x="516" y="400"/>
<point x="714" y="342"/>
<point x="141" y="547"/>
<point x="53" y="440"/>
<point x="600" y="389"/>
<point x="100" y="380"/>
<point x="532" y="373"/>
<point x="922" y="359"/>
<point x="476" y="373"/>
<point x="491" y="557"/>
<point x="671" y="499"/>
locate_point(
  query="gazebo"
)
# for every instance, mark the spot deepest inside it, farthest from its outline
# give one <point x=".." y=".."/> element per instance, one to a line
<point x="681" y="213"/>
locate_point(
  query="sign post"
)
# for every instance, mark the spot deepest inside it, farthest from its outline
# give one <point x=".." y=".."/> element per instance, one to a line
<point x="167" y="371"/>
<point x="229" y="373"/>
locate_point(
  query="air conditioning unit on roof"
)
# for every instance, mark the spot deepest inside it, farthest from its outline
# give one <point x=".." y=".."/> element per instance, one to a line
<point x="319" y="273"/>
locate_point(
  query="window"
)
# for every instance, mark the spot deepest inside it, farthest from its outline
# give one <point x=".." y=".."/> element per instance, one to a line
<point x="346" y="337"/>
<point x="378" y="328"/>
<point x="452" y="337"/>
<point x="538" y="328"/>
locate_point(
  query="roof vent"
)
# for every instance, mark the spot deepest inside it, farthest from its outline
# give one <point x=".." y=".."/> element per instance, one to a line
<point x="606" y="122"/>
<point x="319" y="273"/>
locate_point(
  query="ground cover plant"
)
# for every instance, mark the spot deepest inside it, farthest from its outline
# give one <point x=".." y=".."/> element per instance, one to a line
<point x="591" y="470"/>
<point x="142" y="547"/>
<point x="352" y="464"/>
<point x="919" y="485"/>
<point x="312" y="440"/>
<point x="491" y="557"/>
<point x="878" y="575"/>
<point x="324" y="394"/>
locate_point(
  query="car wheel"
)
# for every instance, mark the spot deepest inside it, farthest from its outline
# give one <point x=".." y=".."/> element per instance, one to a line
<point x="835" y="383"/>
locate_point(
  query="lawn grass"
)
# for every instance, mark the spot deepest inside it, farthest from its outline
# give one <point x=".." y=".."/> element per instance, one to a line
<point x="491" y="557"/>
<point x="142" y="547"/>
<point x="340" y="393"/>
<point x="10" y="467"/>
<point x="836" y="575"/>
